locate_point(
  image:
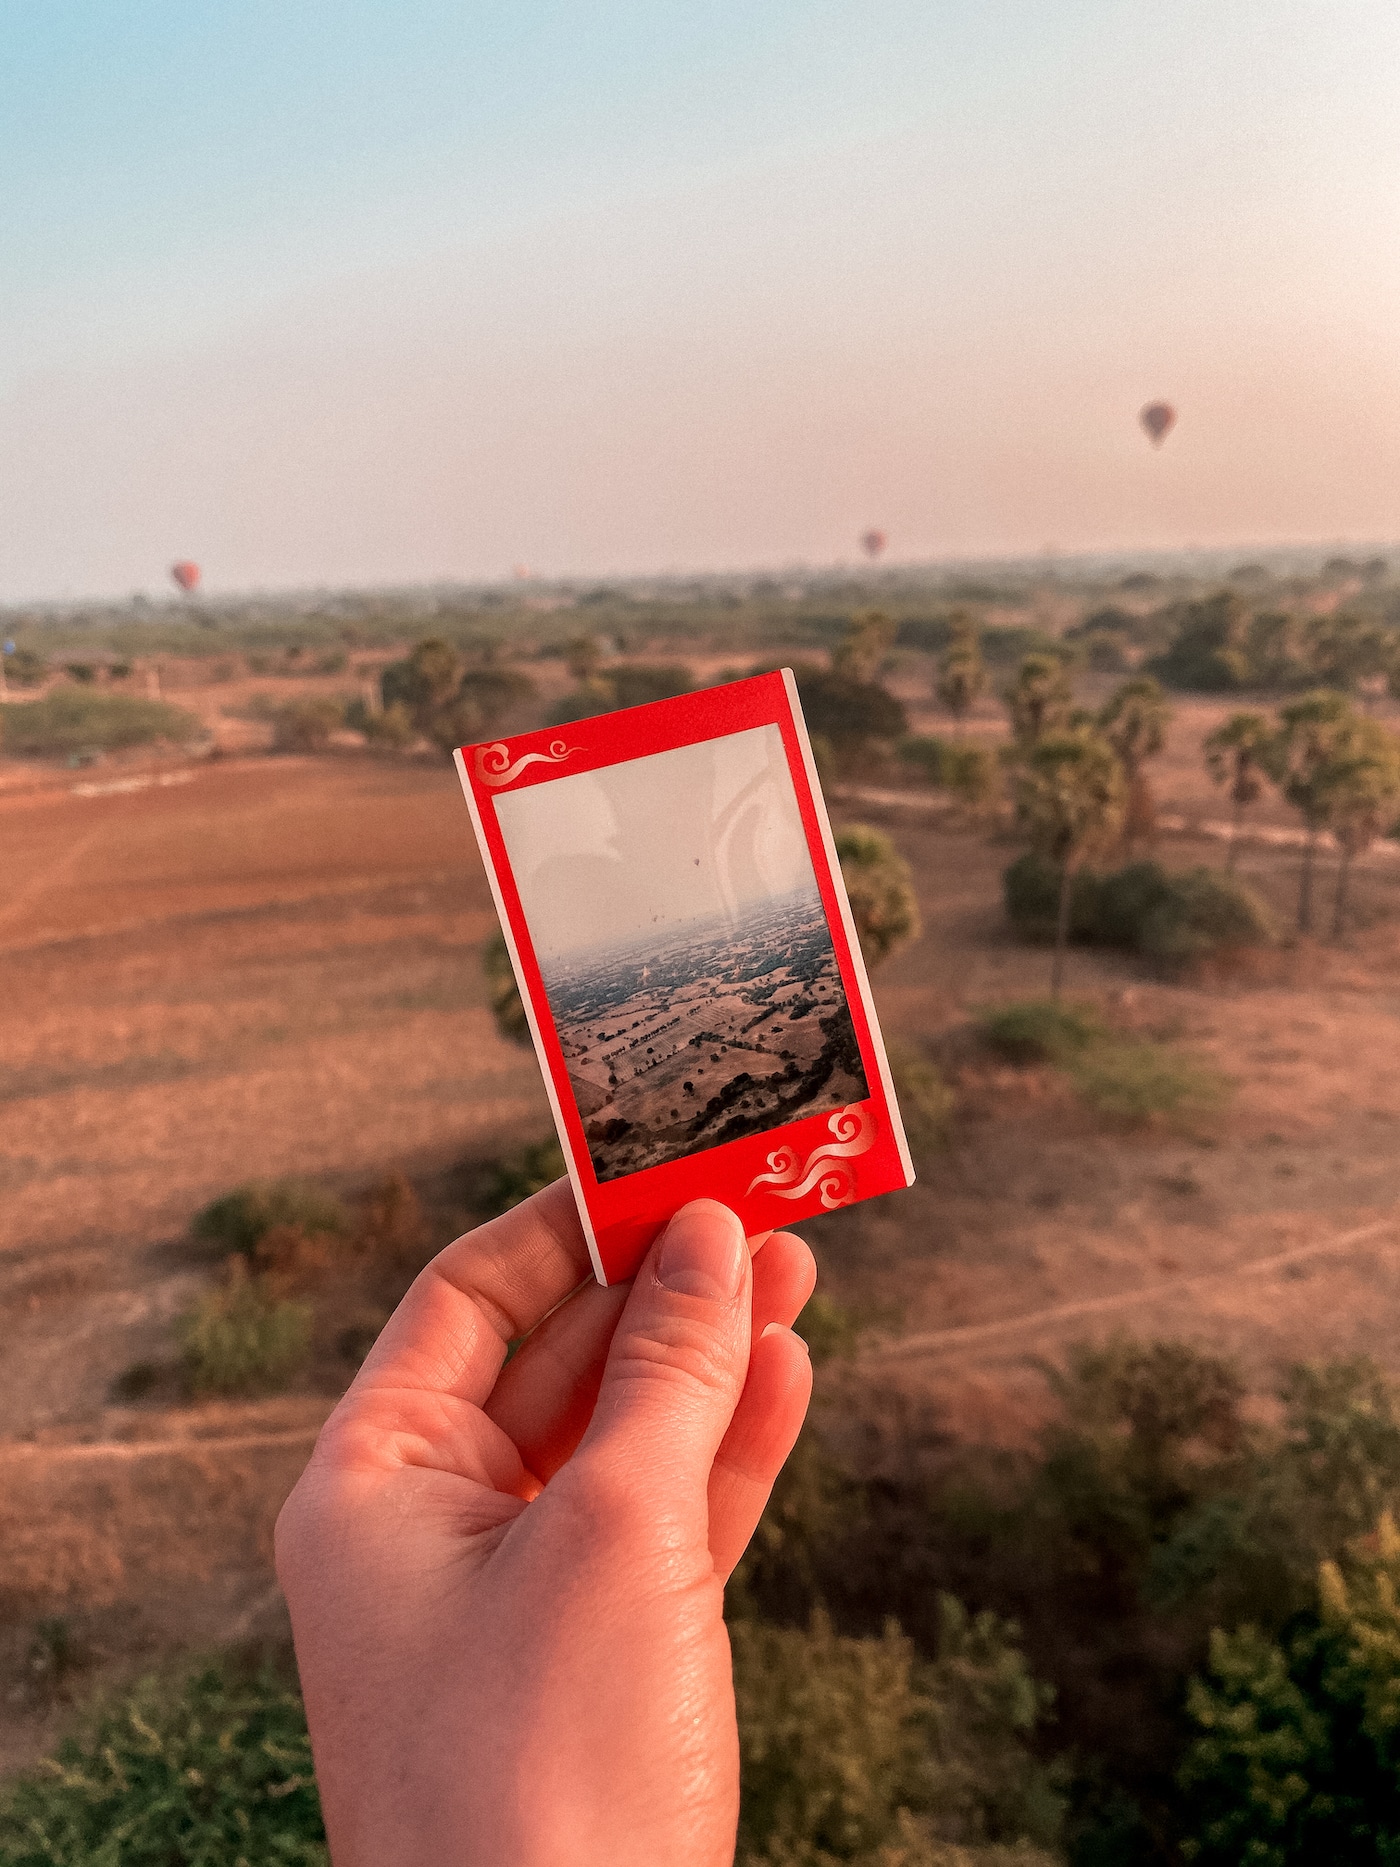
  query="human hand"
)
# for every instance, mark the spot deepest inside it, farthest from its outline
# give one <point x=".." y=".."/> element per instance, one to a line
<point x="506" y="1581"/>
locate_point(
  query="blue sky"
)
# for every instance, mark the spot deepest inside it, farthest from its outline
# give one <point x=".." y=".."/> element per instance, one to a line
<point x="372" y="293"/>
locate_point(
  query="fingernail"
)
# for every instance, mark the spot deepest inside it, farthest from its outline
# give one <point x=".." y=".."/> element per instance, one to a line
<point x="703" y="1252"/>
<point x="777" y="1328"/>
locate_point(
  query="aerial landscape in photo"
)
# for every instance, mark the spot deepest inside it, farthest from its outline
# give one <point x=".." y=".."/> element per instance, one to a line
<point x="728" y="1029"/>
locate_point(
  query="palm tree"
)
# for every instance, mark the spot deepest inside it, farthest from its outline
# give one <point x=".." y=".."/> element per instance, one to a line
<point x="1134" y="723"/>
<point x="962" y="674"/>
<point x="1070" y="800"/>
<point x="1359" y="784"/>
<point x="1040" y="699"/>
<point x="1296" y="760"/>
<point x="1237" y="755"/>
<point x="880" y="890"/>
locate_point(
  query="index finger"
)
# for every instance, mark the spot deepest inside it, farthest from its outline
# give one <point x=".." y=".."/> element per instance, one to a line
<point x="449" y="1334"/>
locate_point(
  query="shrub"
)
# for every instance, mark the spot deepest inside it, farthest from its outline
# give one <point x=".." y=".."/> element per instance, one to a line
<point x="392" y="1228"/>
<point x="307" y="725"/>
<point x="972" y="773"/>
<point x="74" y="719"/>
<point x="849" y="715"/>
<point x="516" y="1176"/>
<point x="507" y="1006"/>
<point x="24" y="668"/>
<point x="925" y="1100"/>
<point x="392" y="726"/>
<point x="880" y="889"/>
<point x="1040" y="1030"/>
<point x="1174" y="919"/>
<point x="242" y="1338"/>
<point x="626" y="684"/>
<point x="1031" y="893"/>
<point x="1204" y="912"/>
<point x="241" y="1219"/>
<point x="215" y="1770"/>
<point x="851" y="1746"/>
<point x="1131" y="1080"/>
<point x="926" y="753"/>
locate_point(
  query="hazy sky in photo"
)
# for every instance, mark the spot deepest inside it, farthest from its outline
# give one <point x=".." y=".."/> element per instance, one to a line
<point x="606" y="858"/>
<point x="391" y="293"/>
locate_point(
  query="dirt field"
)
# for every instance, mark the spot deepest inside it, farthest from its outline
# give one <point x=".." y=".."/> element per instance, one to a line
<point x="268" y="965"/>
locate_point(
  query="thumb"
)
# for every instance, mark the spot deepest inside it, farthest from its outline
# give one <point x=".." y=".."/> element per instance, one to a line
<point x="678" y="1359"/>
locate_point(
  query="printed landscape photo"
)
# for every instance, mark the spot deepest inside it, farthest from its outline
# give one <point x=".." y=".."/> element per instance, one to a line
<point x="685" y="949"/>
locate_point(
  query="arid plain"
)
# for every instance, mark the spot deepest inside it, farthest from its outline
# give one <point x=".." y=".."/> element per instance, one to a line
<point x="263" y="965"/>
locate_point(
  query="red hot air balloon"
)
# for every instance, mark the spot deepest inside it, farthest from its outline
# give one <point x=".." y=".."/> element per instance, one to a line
<point x="186" y="575"/>
<point x="1158" y="420"/>
<point x="873" y="542"/>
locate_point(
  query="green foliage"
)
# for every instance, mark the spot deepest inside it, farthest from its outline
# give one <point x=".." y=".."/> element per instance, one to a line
<point x="391" y="727"/>
<point x="1176" y="919"/>
<point x="517" y="1176"/>
<point x="1209" y="647"/>
<point x="449" y="700"/>
<point x="880" y="889"/>
<point x="1070" y="796"/>
<point x="869" y="637"/>
<point x="25" y="669"/>
<point x="507" y="1006"/>
<point x="1297" y="1757"/>
<point x="925" y="1099"/>
<point x="625" y="684"/>
<point x="962" y="674"/>
<point x="307" y="725"/>
<point x="1040" y="699"/>
<point x="971" y="772"/>
<point x="212" y="1772"/>
<point x="852" y="716"/>
<point x="74" y="719"/>
<point x="850" y="1745"/>
<point x="830" y="1330"/>
<point x="1132" y="1079"/>
<point x="240" y="1220"/>
<point x="1040" y="1030"/>
<point x="242" y="1338"/>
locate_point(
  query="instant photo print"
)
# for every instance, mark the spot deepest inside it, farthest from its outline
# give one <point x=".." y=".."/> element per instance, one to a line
<point x="669" y="892"/>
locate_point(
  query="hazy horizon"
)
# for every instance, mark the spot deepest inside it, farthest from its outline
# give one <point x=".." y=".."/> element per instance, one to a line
<point x="407" y="296"/>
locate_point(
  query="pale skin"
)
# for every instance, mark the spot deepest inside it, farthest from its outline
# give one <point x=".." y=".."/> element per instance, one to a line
<point x="506" y="1581"/>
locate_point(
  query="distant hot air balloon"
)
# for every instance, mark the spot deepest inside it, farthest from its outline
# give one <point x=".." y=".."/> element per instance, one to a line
<point x="873" y="542"/>
<point x="186" y="575"/>
<point x="1158" y="420"/>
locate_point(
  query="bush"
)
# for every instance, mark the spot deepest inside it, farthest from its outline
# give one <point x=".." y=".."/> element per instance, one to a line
<point x="24" y="668"/>
<point x="516" y="1176"/>
<point x="925" y="1100"/>
<point x="1131" y="1080"/>
<point x="215" y="1770"/>
<point x="241" y="1219"/>
<point x="1040" y="1030"/>
<point x="880" y="889"/>
<point x="1175" y="919"/>
<point x="972" y="773"/>
<point x="1031" y="892"/>
<point x="73" y="719"/>
<point x="507" y="1006"/>
<point x="243" y="1338"/>
<point x="849" y="715"/>
<point x="1204" y="912"/>
<point x="626" y="684"/>
<point x="307" y="725"/>
<point x="851" y="1746"/>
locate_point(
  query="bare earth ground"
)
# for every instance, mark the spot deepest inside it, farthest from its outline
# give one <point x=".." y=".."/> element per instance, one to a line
<point x="270" y="966"/>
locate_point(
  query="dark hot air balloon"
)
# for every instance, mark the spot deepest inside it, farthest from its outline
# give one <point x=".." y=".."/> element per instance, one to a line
<point x="186" y="575"/>
<point x="873" y="542"/>
<point x="1158" y="420"/>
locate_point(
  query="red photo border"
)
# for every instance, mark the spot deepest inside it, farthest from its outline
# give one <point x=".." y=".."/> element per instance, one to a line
<point x="793" y="1171"/>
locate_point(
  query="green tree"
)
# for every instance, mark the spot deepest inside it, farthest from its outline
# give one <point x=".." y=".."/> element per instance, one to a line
<point x="1297" y="760"/>
<point x="1296" y="1760"/>
<point x="1070" y="799"/>
<point x="1134" y="722"/>
<point x="1209" y="648"/>
<point x="880" y="889"/>
<point x="1237" y="755"/>
<point x="1347" y="651"/>
<point x="1359" y="783"/>
<point x="962" y="675"/>
<point x="583" y="656"/>
<point x="1040" y="699"/>
<point x="869" y="638"/>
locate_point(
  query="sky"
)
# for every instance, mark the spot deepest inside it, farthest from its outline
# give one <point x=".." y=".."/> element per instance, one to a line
<point x="391" y="293"/>
<point x="607" y="858"/>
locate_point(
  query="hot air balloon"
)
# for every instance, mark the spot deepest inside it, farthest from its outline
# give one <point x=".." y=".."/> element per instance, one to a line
<point x="186" y="575"/>
<point x="873" y="542"/>
<point x="1158" y="420"/>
